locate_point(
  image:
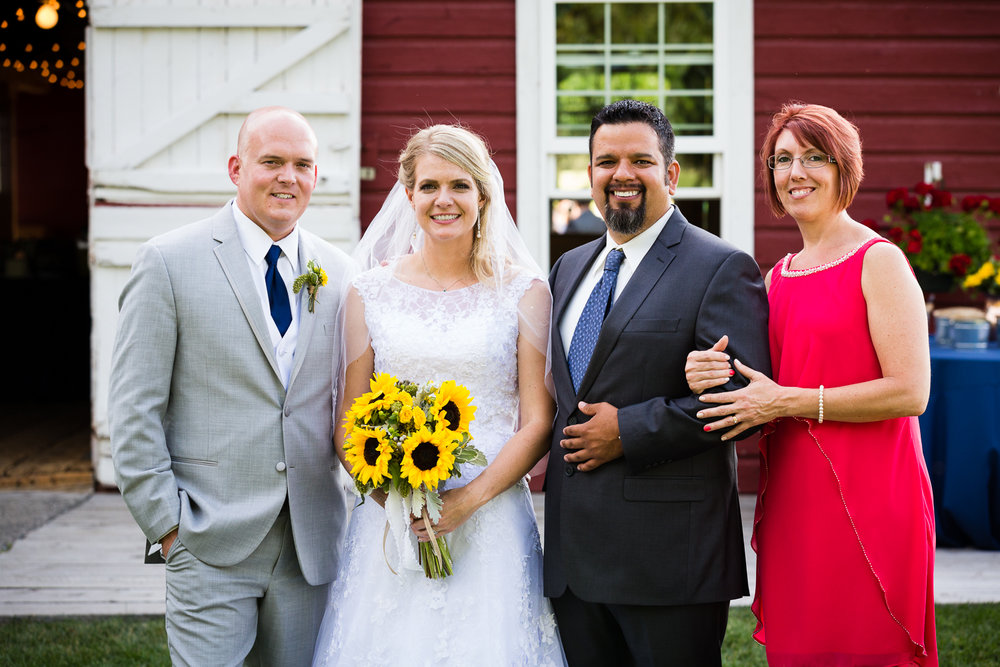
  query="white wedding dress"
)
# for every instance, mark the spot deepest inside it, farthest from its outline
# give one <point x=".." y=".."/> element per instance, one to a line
<point x="491" y="611"/>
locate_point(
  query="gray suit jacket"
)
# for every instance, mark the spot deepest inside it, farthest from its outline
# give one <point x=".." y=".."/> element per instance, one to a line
<point x="203" y="435"/>
<point x="660" y="526"/>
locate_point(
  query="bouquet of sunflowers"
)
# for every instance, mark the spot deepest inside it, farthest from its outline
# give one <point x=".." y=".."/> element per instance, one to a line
<point x="405" y="439"/>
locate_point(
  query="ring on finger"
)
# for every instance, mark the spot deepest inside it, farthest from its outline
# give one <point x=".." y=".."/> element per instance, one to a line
<point x="736" y="420"/>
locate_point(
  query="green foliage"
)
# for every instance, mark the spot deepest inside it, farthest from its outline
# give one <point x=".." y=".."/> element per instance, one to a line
<point x="938" y="238"/>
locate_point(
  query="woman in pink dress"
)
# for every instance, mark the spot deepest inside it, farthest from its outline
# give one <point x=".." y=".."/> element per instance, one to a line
<point x="844" y="525"/>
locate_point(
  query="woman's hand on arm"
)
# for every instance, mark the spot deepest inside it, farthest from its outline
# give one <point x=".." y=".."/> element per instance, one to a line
<point x="705" y="369"/>
<point x="761" y="401"/>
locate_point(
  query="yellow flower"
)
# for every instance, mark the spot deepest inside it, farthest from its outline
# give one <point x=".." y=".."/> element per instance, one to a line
<point x="405" y="414"/>
<point x="452" y="407"/>
<point x="428" y="458"/>
<point x="419" y="417"/>
<point x="323" y="279"/>
<point x="383" y="387"/>
<point x="368" y="452"/>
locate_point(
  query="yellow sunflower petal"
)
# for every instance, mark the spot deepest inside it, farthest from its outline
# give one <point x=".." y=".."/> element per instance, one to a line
<point x="453" y="407"/>
<point x="368" y="452"/>
<point x="428" y="458"/>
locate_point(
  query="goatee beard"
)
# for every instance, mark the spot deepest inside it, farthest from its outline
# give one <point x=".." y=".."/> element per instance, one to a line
<point x="625" y="221"/>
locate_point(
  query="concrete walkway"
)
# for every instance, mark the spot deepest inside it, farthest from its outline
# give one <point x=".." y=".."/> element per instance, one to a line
<point x="88" y="561"/>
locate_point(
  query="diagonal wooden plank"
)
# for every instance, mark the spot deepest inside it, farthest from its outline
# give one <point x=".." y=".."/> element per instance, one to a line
<point x="249" y="78"/>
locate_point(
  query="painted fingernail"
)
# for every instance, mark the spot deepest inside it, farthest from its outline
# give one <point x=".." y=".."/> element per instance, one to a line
<point x="731" y="372"/>
<point x="708" y="428"/>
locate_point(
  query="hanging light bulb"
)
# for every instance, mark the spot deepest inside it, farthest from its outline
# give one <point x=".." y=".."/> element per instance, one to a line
<point x="47" y="15"/>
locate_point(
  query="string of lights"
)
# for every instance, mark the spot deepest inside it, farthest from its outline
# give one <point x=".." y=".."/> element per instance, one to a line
<point x="45" y="37"/>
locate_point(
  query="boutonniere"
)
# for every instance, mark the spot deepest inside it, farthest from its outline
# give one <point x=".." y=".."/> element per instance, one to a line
<point x="312" y="279"/>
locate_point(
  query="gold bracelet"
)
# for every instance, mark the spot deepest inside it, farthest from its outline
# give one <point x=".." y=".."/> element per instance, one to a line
<point x="821" y="404"/>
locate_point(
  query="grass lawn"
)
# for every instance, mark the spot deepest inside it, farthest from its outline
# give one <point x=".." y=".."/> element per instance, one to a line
<point x="968" y="635"/>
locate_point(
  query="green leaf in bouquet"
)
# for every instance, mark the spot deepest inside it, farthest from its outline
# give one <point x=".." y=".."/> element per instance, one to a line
<point x="433" y="504"/>
<point x="469" y="454"/>
<point x="417" y="502"/>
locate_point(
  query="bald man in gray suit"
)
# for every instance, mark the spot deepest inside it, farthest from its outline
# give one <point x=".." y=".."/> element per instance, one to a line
<point x="221" y="410"/>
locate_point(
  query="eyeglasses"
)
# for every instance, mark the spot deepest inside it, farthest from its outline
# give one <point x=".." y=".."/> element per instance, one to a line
<point x="809" y="161"/>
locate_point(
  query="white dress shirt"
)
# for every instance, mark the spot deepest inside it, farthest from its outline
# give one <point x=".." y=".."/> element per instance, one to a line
<point x="635" y="250"/>
<point x="256" y="243"/>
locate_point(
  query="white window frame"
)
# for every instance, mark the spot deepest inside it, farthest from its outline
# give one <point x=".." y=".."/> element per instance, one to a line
<point x="732" y="144"/>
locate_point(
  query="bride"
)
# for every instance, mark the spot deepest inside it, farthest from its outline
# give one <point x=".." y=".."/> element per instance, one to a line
<point x="451" y="294"/>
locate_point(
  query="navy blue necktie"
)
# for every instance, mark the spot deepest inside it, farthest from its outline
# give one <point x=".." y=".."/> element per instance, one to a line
<point x="588" y="328"/>
<point x="277" y="293"/>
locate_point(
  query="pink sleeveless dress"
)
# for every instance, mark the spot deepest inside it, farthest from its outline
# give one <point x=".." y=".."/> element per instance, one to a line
<point x="844" y="524"/>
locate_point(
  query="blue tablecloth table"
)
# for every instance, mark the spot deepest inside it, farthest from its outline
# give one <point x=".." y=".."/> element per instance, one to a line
<point x="960" y="431"/>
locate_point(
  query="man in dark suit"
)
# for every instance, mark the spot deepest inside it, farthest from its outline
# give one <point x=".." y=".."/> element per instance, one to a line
<point x="643" y="539"/>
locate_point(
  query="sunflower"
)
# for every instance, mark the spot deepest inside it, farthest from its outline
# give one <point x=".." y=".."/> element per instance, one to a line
<point x="383" y="387"/>
<point x="368" y="451"/>
<point x="383" y="393"/>
<point x="453" y="407"/>
<point x="428" y="458"/>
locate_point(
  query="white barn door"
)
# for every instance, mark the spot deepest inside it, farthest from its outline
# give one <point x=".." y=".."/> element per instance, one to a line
<point x="168" y="85"/>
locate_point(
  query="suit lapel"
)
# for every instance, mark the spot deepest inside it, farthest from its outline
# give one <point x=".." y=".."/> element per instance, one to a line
<point x="307" y="320"/>
<point x="232" y="258"/>
<point x="646" y="276"/>
<point x="572" y="272"/>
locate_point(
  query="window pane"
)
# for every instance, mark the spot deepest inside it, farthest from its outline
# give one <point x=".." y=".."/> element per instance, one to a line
<point x="689" y="114"/>
<point x="574" y="113"/>
<point x="580" y="78"/>
<point x="634" y="78"/>
<point x="579" y="24"/>
<point x="696" y="170"/>
<point x="633" y="23"/>
<point x="688" y="77"/>
<point x="571" y="171"/>
<point x="688" y="23"/>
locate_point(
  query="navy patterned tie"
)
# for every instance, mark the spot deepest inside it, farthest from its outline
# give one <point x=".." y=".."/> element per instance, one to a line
<point x="589" y="327"/>
<point x="277" y="292"/>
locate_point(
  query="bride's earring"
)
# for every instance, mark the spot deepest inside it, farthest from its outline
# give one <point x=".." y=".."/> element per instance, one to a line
<point x="478" y="235"/>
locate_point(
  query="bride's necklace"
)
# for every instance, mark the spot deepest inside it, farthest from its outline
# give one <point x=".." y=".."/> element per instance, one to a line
<point x="436" y="281"/>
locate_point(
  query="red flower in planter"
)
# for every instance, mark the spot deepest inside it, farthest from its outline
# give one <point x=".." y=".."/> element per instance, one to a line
<point x="923" y="188"/>
<point x="893" y="197"/>
<point x="911" y="203"/>
<point x="972" y="203"/>
<point x="916" y="243"/>
<point x="959" y="264"/>
<point x="995" y="205"/>
<point x="940" y="198"/>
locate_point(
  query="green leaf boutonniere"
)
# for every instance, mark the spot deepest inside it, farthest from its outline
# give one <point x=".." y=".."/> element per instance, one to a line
<point x="312" y="279"/>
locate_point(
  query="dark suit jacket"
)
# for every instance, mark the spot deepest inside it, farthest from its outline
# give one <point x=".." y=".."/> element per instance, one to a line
<point x="660" y="526"/>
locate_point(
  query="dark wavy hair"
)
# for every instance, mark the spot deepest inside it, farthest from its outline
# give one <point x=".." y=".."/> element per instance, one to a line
<point x="634" y="111"/>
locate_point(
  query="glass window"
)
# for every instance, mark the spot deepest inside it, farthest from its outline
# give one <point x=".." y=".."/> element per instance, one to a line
<point x="659" y="52"/>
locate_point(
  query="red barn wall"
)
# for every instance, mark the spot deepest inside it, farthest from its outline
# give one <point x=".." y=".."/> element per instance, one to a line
<point x="435" y="62"/>
<point x="920" y="79"/>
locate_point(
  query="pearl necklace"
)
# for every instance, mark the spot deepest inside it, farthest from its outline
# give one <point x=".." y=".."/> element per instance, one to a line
<point x="795" y="273"/>
<point x="436" y="281"/>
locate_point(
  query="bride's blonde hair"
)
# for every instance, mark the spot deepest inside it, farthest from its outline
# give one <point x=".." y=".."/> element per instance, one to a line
<point x="467" y="151"/>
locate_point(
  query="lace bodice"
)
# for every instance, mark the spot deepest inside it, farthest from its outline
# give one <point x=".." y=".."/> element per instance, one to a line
<point x="468" y="335"/>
